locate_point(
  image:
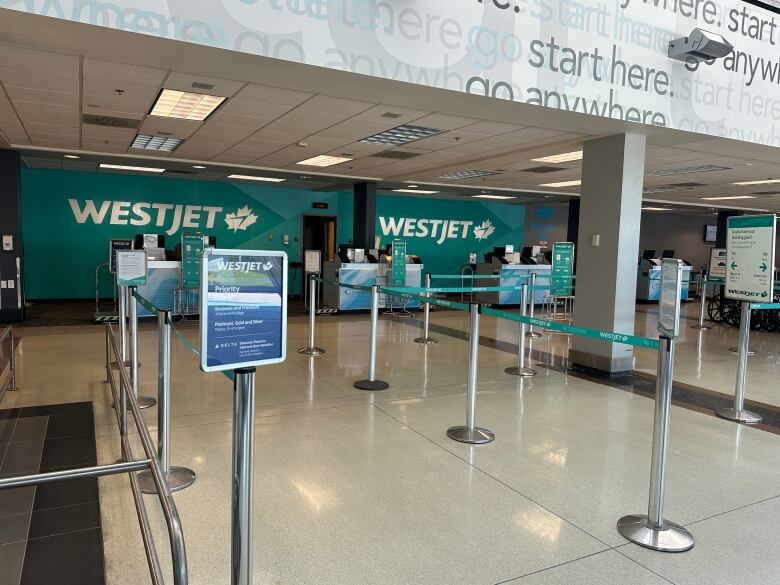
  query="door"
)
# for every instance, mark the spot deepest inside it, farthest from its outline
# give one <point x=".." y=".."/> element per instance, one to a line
<point x="319" y="233"/>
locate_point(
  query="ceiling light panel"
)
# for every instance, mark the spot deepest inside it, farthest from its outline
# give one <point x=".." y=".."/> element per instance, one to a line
<point x="492" y="197"/>
<point x="687" y="170"/>
<point x="130" y="168"/>
<point x="418" y="191"/>
<point x="560" y="158"/>
<point x="656" y="209"/>
<point x="253" y="178"/>
<point x="728" y="198"/>
<point x="401" y="135"/>
<point x="468" y="174"/>
<point x="562" y="184"/>
<point x="323" y="161"/>
<point x="764" y="182"/>
<point x="184" y="105"/>
<point x="149" y="142"/>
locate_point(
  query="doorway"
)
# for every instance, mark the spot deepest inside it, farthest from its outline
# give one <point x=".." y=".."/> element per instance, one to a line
<point x="319" y="233"/>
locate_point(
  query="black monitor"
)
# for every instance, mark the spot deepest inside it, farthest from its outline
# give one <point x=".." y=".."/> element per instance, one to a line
<point x="527" y="252"/>
<point x="499" y="251"/>
<point x="140" y="241"/>
<point x="648" y="254"/>
<point x="668" y="254"/>
<point x="343" y="253"/>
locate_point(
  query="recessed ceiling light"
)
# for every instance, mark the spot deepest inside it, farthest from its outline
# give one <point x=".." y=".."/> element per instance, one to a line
<point x="185" y="105"/>
<point x="149" y="142"/>
<point x="130" y="168"/>
<point x="560" y="158"/>
<point x="418" y="191"/>
<point x="562" y="184"/>
<point x="70" y="156"/>
<point x="401" y="135"/>
<point x="199" y="167"/>
<point x="686" y="170"/>
<point x="493" y="197"/>
<point x="253" y="178"/>
<point x="467" y="174"/>
<point x="764" y="182"/>
<point x="727" y="198"/>
<point x="656" y="209"/>
<point x="323" y="161"/>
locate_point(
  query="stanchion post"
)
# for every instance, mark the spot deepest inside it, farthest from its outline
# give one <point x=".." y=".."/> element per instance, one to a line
<point x="653" y="531"/>
<point x="243" y="447"/>
<point x="311" y="348"/>
<point x="703" y="294"/>
<point x="520" y="369"/>
<point x="12" y="387"/>
<point x="178" y="478"/>
<point x="372" y="383"/>
<point x="471" y="433"/>
<point x="532" y="297"/>
<point x="738" y="412"/>
<point x="122" y="320"/>
<point x="142" y="401"/>
<point x="426" y="337"/>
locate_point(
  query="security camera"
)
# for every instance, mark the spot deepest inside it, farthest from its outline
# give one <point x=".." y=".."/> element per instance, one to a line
<point x="700" y="45"/>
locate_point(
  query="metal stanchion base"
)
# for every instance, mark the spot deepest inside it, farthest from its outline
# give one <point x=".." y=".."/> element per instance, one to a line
<point x="475" y="436"/>
<point x="178" y="479"/>
<point x="670" y="538"/>
<point x="426" y="340"/>
<point x="701" y="327"/>
<point x="311" y="351"/>
<point x="115" y="365"/>
<point x="403" y="315"/>
<point x="533" y="334"/>
<point x="743" y="416"/>
<point x="736" y="350"/>
<point x="372" y="385"/>
<point x="143" y="402"/>
<point x="523" y="373"/>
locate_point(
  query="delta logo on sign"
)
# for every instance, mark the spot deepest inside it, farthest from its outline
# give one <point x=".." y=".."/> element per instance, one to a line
<point x="166" y="216"/>
<point x="438" y="229"/>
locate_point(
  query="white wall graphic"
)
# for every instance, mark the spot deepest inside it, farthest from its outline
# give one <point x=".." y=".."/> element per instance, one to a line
<point x="606" y="58"/>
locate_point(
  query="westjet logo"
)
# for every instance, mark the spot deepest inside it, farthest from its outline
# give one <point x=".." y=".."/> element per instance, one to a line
<point x="438" y="229"/>
<point x="167" y="216"/>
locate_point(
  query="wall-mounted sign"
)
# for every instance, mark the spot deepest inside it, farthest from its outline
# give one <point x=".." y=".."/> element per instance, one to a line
<point x="114" y="245"/>
<point x="717" y="266"/>
<point x="750" y="260"/>
<point x="131" y="267"/>
<point x="312" y="260"/>
<point x="562" y="269"/>
<point x="710" y="233"/>
<point x="243" y="309"/>
<point x="319" y="205"/>
<point x="669" y="298"/>
<point x="191" y="250"/>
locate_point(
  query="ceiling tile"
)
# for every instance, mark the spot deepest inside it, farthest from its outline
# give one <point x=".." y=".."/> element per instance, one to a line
<point x="121" y="73"/>
<point x="129" y="108"/>
<point x="54" y="98"/>
<point x="44" y="114"/>
<point x="332" y="105"/>
<point x="184" y="81"/>
<point x="54" y="63"/>
<point x="252" y="108"/>
<point x="38" y="80"/>
<point x="405" y="115"/>
<point x="175" y="127"/>
<point x="272" y="95"/>
<point x="222" y="133"/>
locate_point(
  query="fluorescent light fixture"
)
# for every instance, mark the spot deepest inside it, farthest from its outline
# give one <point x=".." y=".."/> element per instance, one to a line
<point x="472" y="174"/>
<point x="562" y="184"/>
<point x="401" y="135"/>
<point x="687" y="170"/>
<point x="418" y="191"/>
<point x="199" y="167"/>
<point x="323" y="161"/>
<point x="253" y="178"/>
<point x="728" y="198"/>
<point x="162" y="143"/>
<point x="560" y="158"/>
<point x="184" y="105"/>
<point x="650" y="190"/>
<point x="129" y="168"/>
<point x="70" y="156"/>
<point x="493" y="197"/>
<point x="764" y="182"/>
<point x="656" y="209"/>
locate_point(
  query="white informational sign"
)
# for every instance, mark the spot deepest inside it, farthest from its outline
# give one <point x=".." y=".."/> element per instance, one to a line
<point x="717" y="266"/>
<point x="243" y="317"/>
<point x="131" y="267"/>
<point x="312" y="261"/>
<point x="669" y="298"/>
<point x="750" y="245"/>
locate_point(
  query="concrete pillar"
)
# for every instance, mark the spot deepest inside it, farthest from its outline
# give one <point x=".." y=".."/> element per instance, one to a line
<point x="11" y="294"/>
<point x="609" y="221"/>
<point x="364" y="217"/>
<point x="573" y="227"/>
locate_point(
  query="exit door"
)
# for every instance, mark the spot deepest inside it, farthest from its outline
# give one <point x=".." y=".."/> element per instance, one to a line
<point x="319" y="233"/>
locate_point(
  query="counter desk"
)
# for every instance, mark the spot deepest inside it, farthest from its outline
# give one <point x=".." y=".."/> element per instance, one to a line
<point x="347" y="299"/>
<point x="512" y="275"/>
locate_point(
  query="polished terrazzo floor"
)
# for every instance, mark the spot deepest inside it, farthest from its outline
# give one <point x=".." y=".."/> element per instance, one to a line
<point x="359" y="488"/>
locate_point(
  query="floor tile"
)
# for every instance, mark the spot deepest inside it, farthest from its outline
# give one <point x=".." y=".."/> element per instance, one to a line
<point x="11" y="561"/>
<point x="68" y="452"/>
<point x="16" y="501"/>
<point x="22" y="458"/>
<point x="66" y="493"/>
<point x="68" y="559"/>
<point x="7" y="429"/>
<point x="14" y="528"/>
<point x="77" y="424"/>
<point x="30" y="428"/>
<point x="64" y="519"/>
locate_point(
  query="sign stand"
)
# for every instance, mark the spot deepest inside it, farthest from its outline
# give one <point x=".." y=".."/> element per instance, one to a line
<point x="243" y="450"/>
<point x="653" y="531"/>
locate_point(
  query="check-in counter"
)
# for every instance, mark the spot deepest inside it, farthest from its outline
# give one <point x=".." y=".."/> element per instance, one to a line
<point x="347" y="299"/>
<point x="512" y="275"/>
<point x="648" y="280"/>
<point x="161" y="287"/>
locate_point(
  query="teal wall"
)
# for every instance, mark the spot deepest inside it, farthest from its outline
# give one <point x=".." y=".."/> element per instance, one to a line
<point x="61" y="253"/>
<point x="68" y="218"/>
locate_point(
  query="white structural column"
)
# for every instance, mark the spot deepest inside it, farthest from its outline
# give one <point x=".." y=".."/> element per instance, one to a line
<point x="610" y="216"/>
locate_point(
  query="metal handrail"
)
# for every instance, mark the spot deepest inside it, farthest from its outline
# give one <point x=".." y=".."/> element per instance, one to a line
<point x="172" y="520"/>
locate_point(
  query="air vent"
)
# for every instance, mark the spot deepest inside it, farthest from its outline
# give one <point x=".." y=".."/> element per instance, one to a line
<point x="471" y="174"/>
<point x="402" y="134"/>
<point x="686" y="170"/>
<point x="201" y="85"/>
<point x="687" y="184"/>
<point x="543" y="169"/>
<point x="110" y="121"/>
<point x="391" y="115"/>
<point x="179" y="172"/>
<point x="396" y="154"/>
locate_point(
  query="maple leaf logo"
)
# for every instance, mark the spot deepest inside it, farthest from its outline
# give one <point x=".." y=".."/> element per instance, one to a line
<point x="241" y="219"/>
<point x="485" y="230"/>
